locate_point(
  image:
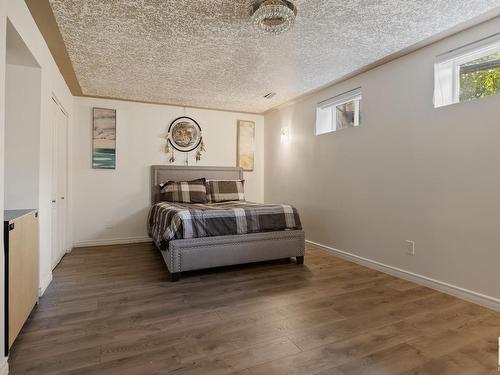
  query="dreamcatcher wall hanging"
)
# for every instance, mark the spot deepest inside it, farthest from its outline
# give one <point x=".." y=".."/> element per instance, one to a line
<point x="185" y="136"/>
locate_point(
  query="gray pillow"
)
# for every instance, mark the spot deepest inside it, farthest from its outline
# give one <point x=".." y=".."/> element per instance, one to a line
<point x="225" y="190"/>
<point x="194" y="191"/>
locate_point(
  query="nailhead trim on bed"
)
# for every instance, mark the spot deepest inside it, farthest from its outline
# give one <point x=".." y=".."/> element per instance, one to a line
<point x="178" y="248"/>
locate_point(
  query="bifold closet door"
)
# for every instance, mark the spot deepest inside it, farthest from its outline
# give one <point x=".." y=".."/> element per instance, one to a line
<point x="59" y="183"/>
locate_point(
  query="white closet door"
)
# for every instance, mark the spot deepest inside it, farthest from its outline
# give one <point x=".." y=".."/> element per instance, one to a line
<point x="59" y="183"/>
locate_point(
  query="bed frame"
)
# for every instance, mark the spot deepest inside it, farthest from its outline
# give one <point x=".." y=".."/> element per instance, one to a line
<point x="200" y="253"/>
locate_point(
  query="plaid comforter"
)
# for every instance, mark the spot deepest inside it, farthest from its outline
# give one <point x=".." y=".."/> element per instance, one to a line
<point x="168" y="221"/>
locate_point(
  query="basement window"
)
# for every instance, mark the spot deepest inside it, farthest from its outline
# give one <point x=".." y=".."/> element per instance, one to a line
<point x="340" y="112"/>
<point x="468" y="73"/>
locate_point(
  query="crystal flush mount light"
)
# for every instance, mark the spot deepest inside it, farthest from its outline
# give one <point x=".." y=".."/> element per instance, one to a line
<point x="274" y="16"/>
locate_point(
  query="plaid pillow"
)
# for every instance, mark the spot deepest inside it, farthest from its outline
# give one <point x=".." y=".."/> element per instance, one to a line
<point x="225" y="190"/>
<point x="184" y="191"/>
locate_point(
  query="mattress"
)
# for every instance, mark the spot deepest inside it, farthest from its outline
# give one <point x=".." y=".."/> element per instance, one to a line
<point x="170" y="221"/>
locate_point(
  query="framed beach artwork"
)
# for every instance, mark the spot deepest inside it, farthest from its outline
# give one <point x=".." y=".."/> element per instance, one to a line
<point x="104" y="138"/>
<point x="246" y="145"/>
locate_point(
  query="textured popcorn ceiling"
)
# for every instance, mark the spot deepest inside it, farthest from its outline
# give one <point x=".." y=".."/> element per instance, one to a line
<point x="206" y="53"/>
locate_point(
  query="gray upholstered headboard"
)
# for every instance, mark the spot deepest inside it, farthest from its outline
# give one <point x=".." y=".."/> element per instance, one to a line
<point x="163" y="173"/>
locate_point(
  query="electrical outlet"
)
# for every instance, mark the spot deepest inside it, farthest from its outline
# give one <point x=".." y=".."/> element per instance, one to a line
<point x="410" y="247"/>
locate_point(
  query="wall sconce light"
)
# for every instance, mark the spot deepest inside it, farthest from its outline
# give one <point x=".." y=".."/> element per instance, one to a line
<point x="285" y="135"/>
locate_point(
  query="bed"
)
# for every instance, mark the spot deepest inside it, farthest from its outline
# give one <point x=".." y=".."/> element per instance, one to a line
<point x="268" y="231"/>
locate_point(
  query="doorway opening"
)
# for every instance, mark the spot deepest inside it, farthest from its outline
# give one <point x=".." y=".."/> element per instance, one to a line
<point x="23" y="99"/>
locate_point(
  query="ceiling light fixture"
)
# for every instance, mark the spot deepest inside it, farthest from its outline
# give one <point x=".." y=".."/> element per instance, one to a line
<point x="274" y="16"/>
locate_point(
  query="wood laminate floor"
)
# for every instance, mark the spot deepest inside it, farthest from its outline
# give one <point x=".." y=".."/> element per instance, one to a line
<point x="112" y="310"/>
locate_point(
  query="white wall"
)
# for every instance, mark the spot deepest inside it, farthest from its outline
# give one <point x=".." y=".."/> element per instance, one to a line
<point x="111" y="205"/>
<point x="52" y="84"/>
<point x="409" y="172"/>
<point x="3" y="37"/>
<point x="22" y="136"/>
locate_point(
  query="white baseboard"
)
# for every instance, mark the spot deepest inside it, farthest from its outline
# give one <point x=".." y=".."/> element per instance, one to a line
<point x="44" y="284"/>
<point x="462" y="293"/>
<point x="4" y="366"/>
<point x="114" y="241"/>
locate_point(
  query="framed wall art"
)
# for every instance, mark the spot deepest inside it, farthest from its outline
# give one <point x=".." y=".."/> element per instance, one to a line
<point x="246" y="145"/>
<point x="104" y="138"/>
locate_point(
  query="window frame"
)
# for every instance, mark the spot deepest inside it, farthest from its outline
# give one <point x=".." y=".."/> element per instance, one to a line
<point x="447" y="68"/>
<point x="354" y="95"/>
